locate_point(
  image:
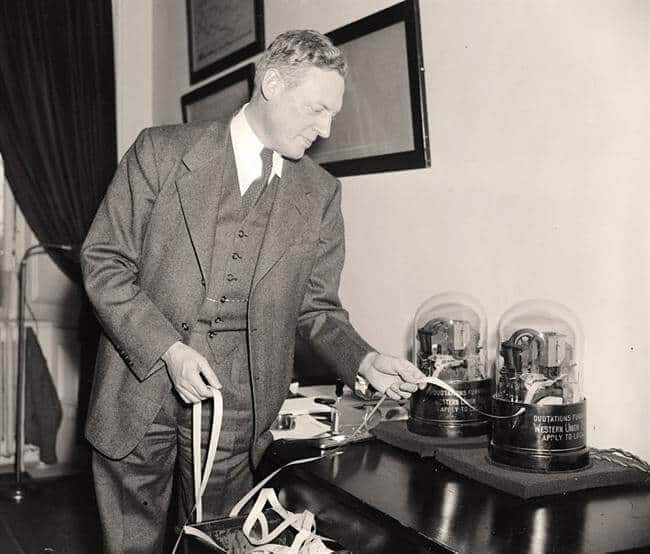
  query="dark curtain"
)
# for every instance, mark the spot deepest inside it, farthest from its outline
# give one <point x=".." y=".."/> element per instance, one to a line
<point x="57" y="128"/>
<point x="57" y="114"/>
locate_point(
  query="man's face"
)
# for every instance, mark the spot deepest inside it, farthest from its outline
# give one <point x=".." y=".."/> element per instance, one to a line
<point x="297" y="115"/>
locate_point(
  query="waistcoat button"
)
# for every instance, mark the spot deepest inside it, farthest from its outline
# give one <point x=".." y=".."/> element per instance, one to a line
<point x="185" y="326"/>
<point x="223" y="299"/>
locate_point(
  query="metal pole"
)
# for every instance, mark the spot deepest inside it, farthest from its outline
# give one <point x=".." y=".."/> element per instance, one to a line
<point x="19" y="493"/>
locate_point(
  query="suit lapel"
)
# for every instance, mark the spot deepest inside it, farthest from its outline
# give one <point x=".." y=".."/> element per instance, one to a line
<point x="286" y="221"/>
<point x="199" y="190"/>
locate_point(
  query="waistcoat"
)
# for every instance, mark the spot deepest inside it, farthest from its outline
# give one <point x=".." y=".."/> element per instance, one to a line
<point x="222" y="317"/>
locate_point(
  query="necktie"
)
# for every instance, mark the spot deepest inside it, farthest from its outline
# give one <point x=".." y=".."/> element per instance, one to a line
<point x="257" y="186"/>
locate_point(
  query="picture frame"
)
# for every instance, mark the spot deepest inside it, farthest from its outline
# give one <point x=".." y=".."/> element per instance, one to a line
<point x="382" y="125"/>
<point x="221" y="98"/>
<point x="222" y="33"/>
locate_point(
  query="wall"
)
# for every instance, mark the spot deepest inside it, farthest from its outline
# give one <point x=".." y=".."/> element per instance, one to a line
<point x="538" y="119"/>
<point x="132" y="32"/>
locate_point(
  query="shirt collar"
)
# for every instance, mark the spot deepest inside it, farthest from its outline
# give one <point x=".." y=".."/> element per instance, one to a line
<point x="245" y="139"/>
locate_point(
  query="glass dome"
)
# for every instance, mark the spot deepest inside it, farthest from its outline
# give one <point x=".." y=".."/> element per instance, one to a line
<point x="449" y="333"/>
<point x="449" y="338"/>
<point x="540" y="354"/>
<point x="540" y="369"/>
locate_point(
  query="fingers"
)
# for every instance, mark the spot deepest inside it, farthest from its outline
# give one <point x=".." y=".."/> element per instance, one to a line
<point x="408" y="387"/>
<point x="409" y="373"/>
<point x="397" y="366"/>
<point x="397" y="378"/>
<point x="192" y="388"/>
<point x="400" y="390"/>
<point x="210" y="375"/>
<point x="187" y="396"/>
<point x="393" y="392"/>
<point x="198" y="386"/>
<point x="190" y="374"/>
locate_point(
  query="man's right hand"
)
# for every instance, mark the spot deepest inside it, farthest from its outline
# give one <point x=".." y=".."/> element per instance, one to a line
<point x="189" y="372"/>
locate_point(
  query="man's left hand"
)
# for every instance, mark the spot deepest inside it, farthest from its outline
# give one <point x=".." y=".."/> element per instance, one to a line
<point x="396" y="377"/>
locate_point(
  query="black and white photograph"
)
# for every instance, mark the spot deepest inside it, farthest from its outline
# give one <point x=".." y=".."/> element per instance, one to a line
<point x="311" y="277"/>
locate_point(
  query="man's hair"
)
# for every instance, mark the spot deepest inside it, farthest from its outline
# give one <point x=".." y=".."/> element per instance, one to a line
<point x="292" y="52"/>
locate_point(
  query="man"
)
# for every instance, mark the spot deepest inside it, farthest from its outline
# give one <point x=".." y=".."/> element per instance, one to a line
<point x="202" y="274"/>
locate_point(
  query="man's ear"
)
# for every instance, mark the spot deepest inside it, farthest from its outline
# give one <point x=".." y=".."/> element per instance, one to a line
<point x="272" y="84"/>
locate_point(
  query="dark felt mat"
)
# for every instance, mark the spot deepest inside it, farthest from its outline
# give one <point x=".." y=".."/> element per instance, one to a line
<point x="397" y="434"/>
<point x="474" y="463"/>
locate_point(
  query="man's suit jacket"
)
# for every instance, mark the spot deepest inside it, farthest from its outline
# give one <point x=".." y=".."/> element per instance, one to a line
<point x="143" y="275"/>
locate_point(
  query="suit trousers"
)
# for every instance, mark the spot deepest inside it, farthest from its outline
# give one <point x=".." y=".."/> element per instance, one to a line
<point x="134" y="493"/>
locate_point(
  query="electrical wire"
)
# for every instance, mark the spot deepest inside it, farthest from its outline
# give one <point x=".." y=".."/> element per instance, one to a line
<point x="620" y="457"/>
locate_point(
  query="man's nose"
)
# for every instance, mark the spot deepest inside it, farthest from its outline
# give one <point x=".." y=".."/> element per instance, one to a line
<point x="324" y="124"/>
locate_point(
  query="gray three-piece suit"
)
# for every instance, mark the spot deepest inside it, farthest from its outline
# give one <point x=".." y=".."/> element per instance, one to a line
<point x="171" y="256"/>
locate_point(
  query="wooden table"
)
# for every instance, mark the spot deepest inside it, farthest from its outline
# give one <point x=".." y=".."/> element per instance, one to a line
<point x="377" y="498"/>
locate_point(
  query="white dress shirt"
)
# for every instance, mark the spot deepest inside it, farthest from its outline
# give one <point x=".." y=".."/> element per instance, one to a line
<point x="247" y="148"/>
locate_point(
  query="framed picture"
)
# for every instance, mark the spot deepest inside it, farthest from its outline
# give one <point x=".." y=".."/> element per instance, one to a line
<point x="382" y="125"/>
<point x="222" y="33"/>
<point x="221" y="98"/>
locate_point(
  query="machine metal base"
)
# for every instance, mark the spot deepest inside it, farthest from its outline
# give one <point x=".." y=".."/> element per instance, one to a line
<point x="448" y="430"/>
<point x="437" y="413"/>
<point x="540" y="462"/>
<point x="542" y="439"/>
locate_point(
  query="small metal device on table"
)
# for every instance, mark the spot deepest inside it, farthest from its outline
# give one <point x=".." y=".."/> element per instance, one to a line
<point x="344" y="420"/>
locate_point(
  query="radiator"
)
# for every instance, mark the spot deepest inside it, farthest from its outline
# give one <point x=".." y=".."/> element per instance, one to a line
<point x="8" y="364"/>
<point x="8" y="378"/>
